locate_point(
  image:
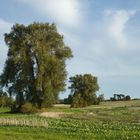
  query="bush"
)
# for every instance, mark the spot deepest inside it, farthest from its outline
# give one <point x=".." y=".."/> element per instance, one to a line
<point x="6" y="101"/>
<point x="28" y="108"/>
<point x="96" y="101"/>
<point x="101" y="98"/>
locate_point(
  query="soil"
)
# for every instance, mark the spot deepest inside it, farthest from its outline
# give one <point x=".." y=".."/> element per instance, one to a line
<point x="52" y="114"/>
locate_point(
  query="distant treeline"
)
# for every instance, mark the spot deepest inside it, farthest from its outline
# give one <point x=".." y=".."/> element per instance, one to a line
<point x="120" y="97"/>
<point x="100" y="98"/>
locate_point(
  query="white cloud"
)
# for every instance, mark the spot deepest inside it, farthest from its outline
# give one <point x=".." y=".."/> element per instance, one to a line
<point x="4" y="28"/>
<point x="117" y="21"/>
<point x="61" y="11"/>
<point x="113" y="47"/>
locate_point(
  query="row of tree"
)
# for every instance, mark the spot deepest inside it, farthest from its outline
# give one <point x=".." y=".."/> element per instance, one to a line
<point x="35" y="69"/>
<point x="120" y="97"/>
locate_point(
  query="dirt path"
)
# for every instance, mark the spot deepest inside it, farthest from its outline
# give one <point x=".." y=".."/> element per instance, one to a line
<point x="52" y="114"/>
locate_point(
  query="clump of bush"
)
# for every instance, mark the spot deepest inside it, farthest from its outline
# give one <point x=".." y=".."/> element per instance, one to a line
<point x="25" y="108"/>
<point x="98" y="99"/>
<point x="78" y="101"/>
<point x="5" y="100"/>
<point x="28" y="108"/>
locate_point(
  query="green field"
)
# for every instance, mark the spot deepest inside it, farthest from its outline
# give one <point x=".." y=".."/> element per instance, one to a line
<point x="107" y="121"/>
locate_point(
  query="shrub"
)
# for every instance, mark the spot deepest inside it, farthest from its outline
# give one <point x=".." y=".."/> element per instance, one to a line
<point x="101" y="98"/>
<point x="28" y="108"/>
<point x="6" y="101"/>
<point x="96" y="101"/>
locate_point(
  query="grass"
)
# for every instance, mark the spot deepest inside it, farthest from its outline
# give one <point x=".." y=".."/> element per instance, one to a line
<point x="27" y="133"/>
<point x="4" y="110"/>
<point x="107" y="121"/>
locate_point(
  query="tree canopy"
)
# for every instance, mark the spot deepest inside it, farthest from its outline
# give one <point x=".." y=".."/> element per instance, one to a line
<point x="35" y="69"/>
<point x="83" y="89"/>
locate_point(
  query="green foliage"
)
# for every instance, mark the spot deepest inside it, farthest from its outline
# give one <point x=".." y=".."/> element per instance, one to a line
<point x="96" y="100"/>
<point x="5" y="101"/>
<point x="28" y="108"/>
<point x="83" y="89"/>
<point x="35" y="69"/>
<point x="101" y="98"/>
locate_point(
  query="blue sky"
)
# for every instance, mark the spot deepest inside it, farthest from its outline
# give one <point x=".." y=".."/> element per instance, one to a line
<point x="103" y="34"/>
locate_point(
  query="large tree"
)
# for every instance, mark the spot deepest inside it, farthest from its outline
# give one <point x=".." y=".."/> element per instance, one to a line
<point x="35" y="69"/>
<point x="83" y="90"/>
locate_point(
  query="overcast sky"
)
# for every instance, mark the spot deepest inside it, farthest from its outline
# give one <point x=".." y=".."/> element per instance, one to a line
<point x="103" y="34"/>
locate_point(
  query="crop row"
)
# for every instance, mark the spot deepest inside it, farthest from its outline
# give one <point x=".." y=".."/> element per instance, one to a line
<point x="33" y="122"/>
<point x="98" y="130"/>
<point x="79" y="128"/>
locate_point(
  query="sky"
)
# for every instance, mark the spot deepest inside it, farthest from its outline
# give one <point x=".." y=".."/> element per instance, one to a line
<point x="104" y="36"/>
